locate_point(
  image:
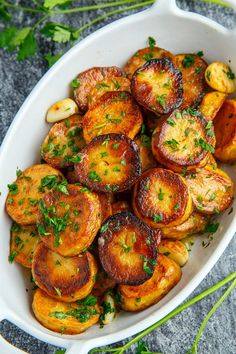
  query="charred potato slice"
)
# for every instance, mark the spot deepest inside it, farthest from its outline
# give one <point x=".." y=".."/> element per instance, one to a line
<point x="24" y="239"/>
<point x="103" y="283"/>
<point x="88" y="79"/>
<point x="145" y="152"/>
<point x="65" y="318"/>
<point x="127" y="249"/>
<point x="64" y="140"/>
<point x="142" y="56"/>
<point x="161" y="198"/>
<point x="64" y="278"/>
<point x="183" y="140"/>
<point x="109" y="163"/>
<point x="106" y="206"/>
<point x="68" y="221"/>
<point x="157" y="86"/>
<point x="120" y="206"/>
<point x="25" y="193"/>
<point x="114" y="112"/>
<point x="111" y="84"/>
<point x="220" y="77"/>
<point x="211" y="190"/>
<point x="166" y="275"/>
<point x="195" y="224"/>
<point x="211" y="104"/>
<point x="175" y="250"/>
<point x="193" y="69"/>
<point x="225" y="130"/>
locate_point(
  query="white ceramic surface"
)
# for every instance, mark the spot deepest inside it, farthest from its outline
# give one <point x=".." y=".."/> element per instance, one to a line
<point x="175" y="30"/>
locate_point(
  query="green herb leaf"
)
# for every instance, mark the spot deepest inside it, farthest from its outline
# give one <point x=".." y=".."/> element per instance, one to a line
<point x="52" y="59"/>
<point x="4" y="14"/>
<point x="151" y="42"/>
<point x="50" y="4"/>
<point x="6" y="36"/>
<point x="28" y="47"/>
<point x="206" y="146"/>
<point x="59" y="33"/>
<point x="157" y="218"/>
<point x="211" y="227"/>
<point x="188" y="60"/>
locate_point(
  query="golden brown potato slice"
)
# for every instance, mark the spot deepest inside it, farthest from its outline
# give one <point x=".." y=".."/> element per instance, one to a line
<point x="69" y="221"/>
<point x="193" y="225"/>
<point x="106" y="206"/>
<point x="65" y="318"/>
<point x="193" y="69"/>
<point x="111" y="84"/>
<point x="145" y="152"/>
<point x="88" y="79"/>
<point x="24" y="239"/>
<point x="25" y="193"/>
<point x="220" y="77"/>
<point x="183" y="140"/>
<point x="114" y="112"/>
<point x="211" y="104"/>
<point x="64" y="140"/>
<point x="120" y="206"/>
<point x="144" y="55"/>
<point x="103" y="283"/>
<point x="225" y="130"/>
<point x="175" y="250"/>
<point x="161" y="198"/>
<point x="127" y="249"/>
<point x="136" y="298"/>
<point x="158" y="86"/>
<point x="64" y="278"/>
<point x="211" y="190"/>
<point x="109" y="163"/>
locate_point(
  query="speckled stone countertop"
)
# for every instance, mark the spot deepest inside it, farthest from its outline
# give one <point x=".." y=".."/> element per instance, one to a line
<point x="16" y="81"/>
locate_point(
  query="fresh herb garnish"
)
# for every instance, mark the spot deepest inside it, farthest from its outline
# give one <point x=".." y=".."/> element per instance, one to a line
<point x="188" y="60"/>
<point x="151" y="42"/>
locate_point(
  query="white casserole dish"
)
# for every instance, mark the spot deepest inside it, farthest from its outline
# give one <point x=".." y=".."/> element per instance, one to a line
<point x="175" y="30"/>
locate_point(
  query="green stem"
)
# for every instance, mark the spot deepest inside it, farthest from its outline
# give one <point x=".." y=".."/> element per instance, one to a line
<point x="219" y="2"/>
<point x="39" y="21"/>
<point x="23" y="8"/>
<point x="93" y="7"/>
<point x="108" y="14"/>
<point x="210" y="313"/>
<point x="170" y="315"/>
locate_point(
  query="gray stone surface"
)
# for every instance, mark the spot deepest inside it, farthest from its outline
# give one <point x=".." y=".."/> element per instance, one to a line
<point x="16" y="81"/>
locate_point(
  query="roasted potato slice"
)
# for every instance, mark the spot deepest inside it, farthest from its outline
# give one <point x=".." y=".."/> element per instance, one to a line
<point x="65" y="318"/>
<point x="64" y="278"/>
<point x="103" y="283"/>
<point x="88" y="79"/>
<point x="127" y="249"/>
<point x="158" y="86"/>
<point x="68" y="221"/>
<point x="225" y="130"/>
<point x="142" y="56"/>
<point x="193" y="225"/>
<point x="111" y="84"/>
<point x="166" y="275"/>
<point x="211" y="104"/>
<point x="220" y="77"/>
<point x="193" y="69"/>
<point x="64" y="140"/>
<point x="175" y="250"/>
<point x="211" y="161"/>
<point x="161" y="198"/>
<point x="24" y="239"/>
<point x="211" y="190"/>
<point x="145" y="152"/>
<point x="109" y="163"/>
<point x="120" y="206"/>
<point x="183" y="140"/>
<point x="25" y="193"/>
<point x="114" y="112"/>
<point x="106" y="206"/>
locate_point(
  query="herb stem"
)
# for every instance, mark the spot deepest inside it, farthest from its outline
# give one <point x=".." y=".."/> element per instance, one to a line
<point x="170" y="315"/>
<point x="108" y="14"/>
<point x="40" y="21"/>
<point x="23" y="8"/>
<point x="93" y="7"/>
<point x="210" y="313"/>
<point x="218" y="2"/>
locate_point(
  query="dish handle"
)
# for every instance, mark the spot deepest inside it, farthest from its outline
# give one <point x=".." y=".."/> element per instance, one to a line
<point x="8" y="348"/>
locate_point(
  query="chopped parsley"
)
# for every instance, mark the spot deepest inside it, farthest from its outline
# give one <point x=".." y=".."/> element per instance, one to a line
<point x="161" y="99"/>
<point x="13" y="188"/>
<point x="173" y="144"/>
<point x="126" y="248"/>
<point x="206" y="146"/>
<point x="160" y="194"/>
<point x="75" y="83"/>
<point x="157" y="218"/>
<point x="147" y="265"/>
<point x="151" y="42"/>
<point x="188" y="60"/>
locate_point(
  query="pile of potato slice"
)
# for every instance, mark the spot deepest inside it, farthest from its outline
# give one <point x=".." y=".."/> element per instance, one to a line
<point x="127" y="172"/>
